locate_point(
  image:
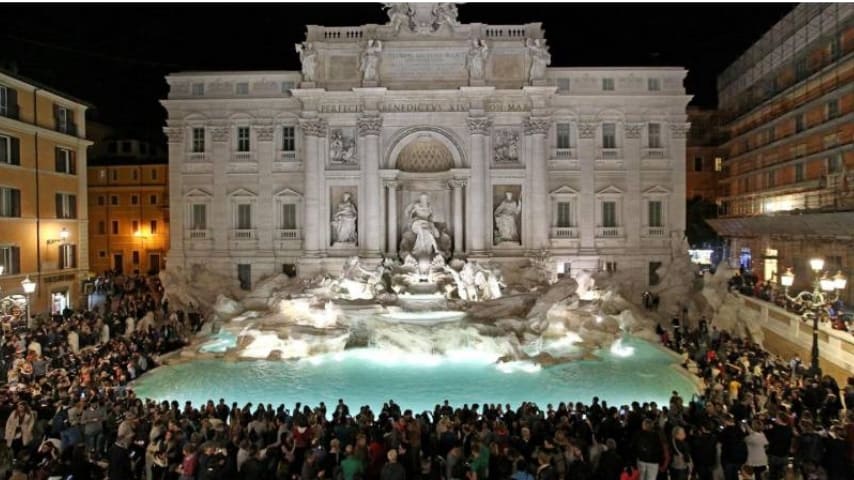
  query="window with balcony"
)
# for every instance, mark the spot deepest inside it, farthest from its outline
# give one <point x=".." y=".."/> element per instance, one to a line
<point x="609" y="135"/>
<point x="289" y="143"/>
<point x="654" y="134"/>
<point x="199" y="218"/>
<point x="564" y="214"/>
<point x="564" y="136"/>
<point x="243" y="139"/>
<point x="241" y="88"/>
<point x="698" y="164"/>
<point x="198" y="89"/>
<point x="67" y="256"/>
<point x="654" y="209"/>
<point x="653" y="84"/>
<point x="288" y="218"/>
<point x="800" y="172"/>
<point x="243" y="220"/>
<point x="608" y="84"/>
<point x="66" y="205"/>
<point x="609" y="213"/>
<point x="10" y="202"/>
<point x="10" y="150"/>
<point x="10" y="259"/>
<point x="8" y="102"/>
<point x="198" y="140"/>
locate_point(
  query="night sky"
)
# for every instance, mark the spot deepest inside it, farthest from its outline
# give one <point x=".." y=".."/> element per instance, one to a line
<point x="115" y="57"/>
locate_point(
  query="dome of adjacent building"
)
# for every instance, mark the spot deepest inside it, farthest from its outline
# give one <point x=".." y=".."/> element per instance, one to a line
<point x="425" y="155"/>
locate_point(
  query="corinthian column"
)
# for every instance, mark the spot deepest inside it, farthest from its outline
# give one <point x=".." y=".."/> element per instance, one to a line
<point x="221" y="221"/>
<point x="478" y="211"/>
<point x="369" y="128"/>
<point x="313" y="130"/>
<point x="391" y="243"/>
<point x="266" y="225"/>
<point x="537" y="128"/>
<point x="457" y="185"/>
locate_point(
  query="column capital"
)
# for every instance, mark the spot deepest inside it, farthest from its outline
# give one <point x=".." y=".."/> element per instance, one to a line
<point x="391" y="184"/>
<point x="313" y="127"/>
<point x="537" y="125"/>
<point x="220" y="134"/>
<point x="369" y="125"/>
<point x="586" y="130"/>
<point x="479" y="125"/>
<point x="264" y="133"/>
<point x="679" y="130"/>
<point x="175" y="134"/>
<point x="457" y="183"/>
<point x="633" y="129"/>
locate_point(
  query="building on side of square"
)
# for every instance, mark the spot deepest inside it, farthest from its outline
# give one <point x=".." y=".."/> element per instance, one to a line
<point x="297" y="171"/>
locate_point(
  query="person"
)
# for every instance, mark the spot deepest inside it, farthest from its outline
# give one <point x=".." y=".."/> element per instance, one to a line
<point x="757" y="458"/>
<point x="733" y="448"/>
<point x="352" y="466"/>
<point x="779" y="436"/>
<point x="680" y="462"/>
<point x="545" y="470"/>
<point x="19" y="428"/>
<point x="648" y="450"/>
<point x="392" y="470"/>
<point x="120" y="461"/>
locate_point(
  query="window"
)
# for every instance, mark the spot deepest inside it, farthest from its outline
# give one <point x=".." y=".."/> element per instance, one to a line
<point x="114" y="227"/>
<point x="102" y="253"/>
<point x="771" y="179"/>
<point x="135" y="175"/>
<point x="801" y="69"/>
<point x="135" y="257"/>
<point x="607" y="84"/>
<point x="698" y="164"/>
<point x="609" y="135"/>
<point x="244" y="216"/>
<point x="152" y="227"/>
<point x="653" y="273"/>
<point x="562" y="85"/>
<point x="8" y="102"/>
<point x="67" y="256"/>
<point x="134" y="226"/>
<point x="154" y="174"/>
<point x="609" y="213"/>
<point x="244" y="276"/>
<point x="564" y="214"/>
<point x="611" y="267"/>
<point x="10" y="202"/>
<point x="10" y="259"/>
<point x="242" y="139"/>
<point x="66" y="205"/>
<point x="242" y="88"/>
<point x="198" y="140"/>
<point x="10" y="150"/>
<point x="64" y="120"/>
<point x="772" y="134"/>
<point x="289" y="216"/>
<point x="152" y="199"/>
<point x="653" y="84"/>
<point x="198" y="89"/>
<point x="799" y="172"/>
<point x="134" y="200"/>
<point x="102" y="227"/>
<point x="719" y="163"/>
<point x="286" y="87"/>
<point x="101" y="200"/>
<point x="288" y="139"/>
<point x="834" y="164"/>
<point x="115" y="175"/>
<point x="800" y="123"/>
<point x="143" y="148"/>
<point x="200" y="216"/>
<point x="654" y="131"/>
<point x="833" y="48"/>
<point x="831" y="109"/>
<point x="654" y="207"/>
<point x="114" y="200"/>
<point x="564" y="136"/>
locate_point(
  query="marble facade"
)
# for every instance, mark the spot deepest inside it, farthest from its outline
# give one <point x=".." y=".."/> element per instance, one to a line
<point x="591" y="159"/>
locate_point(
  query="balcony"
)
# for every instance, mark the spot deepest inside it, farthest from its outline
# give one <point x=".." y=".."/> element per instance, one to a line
<point x="198" y="234"/>
<point x="564" y="153"/>
<point x="609" y="232"/>
<point x="197" y="157"/>
<point x="564" y="232"/>
<point x="287" y="234"/>
<point x="243" y="234"/>
<point x="609" y="153"/>
<point x="654" y="232"/>
<point x="654" y="153"/>
<point x="287" y="156"/>
<point x="243" y="157"/>
<point x="67" y="128"/>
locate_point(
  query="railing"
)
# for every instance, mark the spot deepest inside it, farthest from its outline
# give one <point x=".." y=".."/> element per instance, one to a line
<point x="564" y="153"/>
<point x="609" y="232"/>
<point x="288" y="156"/>
<point x="343" y="33"/>
<point x="288" y="234"/>
<point x="67" y="128"/>
<point x="197" y="157"/>
<point x="653" y="153"/>
<point x="198" y="234"/>
<point x="243" y="234"/>
<point x="610" y="153"/>
<point x="514" y="31"/>
<point x="564" y="232"/>
<point x="243" y="156"/>
<point x="654" y="232"/>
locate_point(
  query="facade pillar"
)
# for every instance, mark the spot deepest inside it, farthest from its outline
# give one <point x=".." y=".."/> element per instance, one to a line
<point x="177" y="227"/>
<point x="633" y="203"/>
<point x="676" y="205"/>
<point x="369" y="128"/>
<point x="537" y="128"/>
<point x="313" y="130"/>
<point x="220" y="221"/>
<point x="391" y="243"/>
<point x="478" y="212"/>
<point x="457" y="185"/>
<point x="266" y="220"/>
<point x="587" y="195"/>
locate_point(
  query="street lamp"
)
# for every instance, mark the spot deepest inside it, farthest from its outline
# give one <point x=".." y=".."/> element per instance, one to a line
<point x="816" y="301"/>
<point x="29" y="288"/>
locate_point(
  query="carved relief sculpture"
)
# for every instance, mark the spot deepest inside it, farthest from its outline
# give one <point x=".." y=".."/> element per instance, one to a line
<point x="370" y="61"/>
<point x="314" y="127"/>
<point x="479" y="125"/>
<point x="476" y="59"/>
<point x="342" y="148"/>
<point x="506" y="219"/>
<point x="399" y="14"/>
<point x="369" y="125"/>
<point x="540" y="58"/>
<point x="344" y="221"/>
<point x="506" y="149"/>
<point x="445" y="14"/>
<point x="308" y="58"/>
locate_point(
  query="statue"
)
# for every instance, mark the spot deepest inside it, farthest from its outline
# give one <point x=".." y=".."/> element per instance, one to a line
<point x="540" y="58"/>
<point x="370" y="61"/>
<point x="399" y="14"/>
<point x="505" y="219"/>
<point x="308" y="58"/>
<point x="423" y="236"/>
<point x="344" y="221"/>
<point x="506" y="147"/>
<point x="445" y="14"/>
<point x="342" y="149"/>
<point x="476" y="59"/>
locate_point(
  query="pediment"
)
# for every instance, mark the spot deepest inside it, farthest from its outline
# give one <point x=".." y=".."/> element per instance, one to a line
<point x="610" y="190"/>
<point x="287" y="192"/>
<point x="564" y="190"/>
<point x="656" y="190"/>
<point x="242" y="192"/>
<point x="197" y="193"/>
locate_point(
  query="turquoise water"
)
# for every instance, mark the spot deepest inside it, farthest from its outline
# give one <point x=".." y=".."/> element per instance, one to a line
<point x="371" y="376"/>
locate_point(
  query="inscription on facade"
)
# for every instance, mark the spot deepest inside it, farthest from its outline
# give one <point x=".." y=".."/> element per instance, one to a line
<point x="418" y="64"/>
<point x="425" y="106"/>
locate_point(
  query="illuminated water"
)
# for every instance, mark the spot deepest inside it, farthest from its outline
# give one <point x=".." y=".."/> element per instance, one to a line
<point x="372" y="376"/>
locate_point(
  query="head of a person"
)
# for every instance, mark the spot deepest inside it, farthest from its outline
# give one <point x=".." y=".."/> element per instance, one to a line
<point x="392" y="456"/>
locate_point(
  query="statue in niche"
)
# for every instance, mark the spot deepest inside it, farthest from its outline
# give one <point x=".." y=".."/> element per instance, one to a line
<point x="399" y="14"/>
<point x="424" y="237"/>
<point x="476" y="59"/>
<point x="506" y="219"/>
<point x="540" y="58"/>
<point x="344" y="221"/>
<point x="370" y="61"/>
<point x="506" y="147"/>
<point x="308" y="58"/>
<point x="445" y="14"/>
<point x="342" y="148"/>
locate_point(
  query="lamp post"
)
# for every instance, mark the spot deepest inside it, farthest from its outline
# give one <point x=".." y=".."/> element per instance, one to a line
<point x="29" y="287"/>
<point x="815" y="302"/>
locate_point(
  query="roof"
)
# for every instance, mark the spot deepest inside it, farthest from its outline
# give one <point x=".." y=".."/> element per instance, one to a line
<point x="833" y="224"/>
<point x="46" y="88"/>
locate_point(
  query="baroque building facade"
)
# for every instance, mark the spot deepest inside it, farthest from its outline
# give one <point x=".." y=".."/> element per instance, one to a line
<point x="426" y="135"/>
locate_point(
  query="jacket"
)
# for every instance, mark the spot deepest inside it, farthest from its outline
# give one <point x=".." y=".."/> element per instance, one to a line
<point x="26" y="425"/>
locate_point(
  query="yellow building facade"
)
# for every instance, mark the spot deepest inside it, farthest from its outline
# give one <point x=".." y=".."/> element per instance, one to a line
<point x="43" y="208"/>
<point x="128" y="206"/>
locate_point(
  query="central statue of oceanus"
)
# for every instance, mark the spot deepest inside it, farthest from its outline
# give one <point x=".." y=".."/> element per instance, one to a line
<point x="424" y="237"/>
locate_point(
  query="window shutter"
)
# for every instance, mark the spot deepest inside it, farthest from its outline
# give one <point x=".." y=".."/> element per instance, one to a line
<point x="16" y="202"/>
<point x="57" y="155"/>
<point x="15" y="150"/>
<point x="59" y="205"/>
<point x="72" y="162"/>
<point x="62" y="259"/>
<point x="16" y="260"/>
<point x="57" y="126"/>
<point x="73" y="262"/>
<point x="12" y="102"/>
<point x="72" y="205"/>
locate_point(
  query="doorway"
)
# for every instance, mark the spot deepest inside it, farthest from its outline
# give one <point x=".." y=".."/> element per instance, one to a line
<point x="771" y="267"/>
<point x="118" y="262"/>
<point x="153" y="263"/>
<point x="58" y="302"/>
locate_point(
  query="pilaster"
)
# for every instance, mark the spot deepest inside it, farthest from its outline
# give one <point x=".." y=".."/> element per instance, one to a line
<point x="536" y="129"/>
<point x="678" y="134"/>
<point x="587" y="193"/>
<point x="633" y="203"/>
<point x="313" y="130"/>
<point x="177" y="228"/>
<point x="220" y="219"/>
<point x="265" y="215"/>
<point x="369" y="128"/>
<point x="479" y="199"/>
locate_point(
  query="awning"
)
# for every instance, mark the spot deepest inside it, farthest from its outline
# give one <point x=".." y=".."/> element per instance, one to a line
<point x="835" y="224"/>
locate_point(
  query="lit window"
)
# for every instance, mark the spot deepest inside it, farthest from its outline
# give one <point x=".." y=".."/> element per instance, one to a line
<point x="719" y="162"/>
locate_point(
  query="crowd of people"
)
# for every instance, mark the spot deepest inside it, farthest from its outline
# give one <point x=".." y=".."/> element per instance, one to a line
<point x="68" y="413"/>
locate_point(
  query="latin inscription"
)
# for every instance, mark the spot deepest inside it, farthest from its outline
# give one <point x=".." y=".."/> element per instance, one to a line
<point x="418" y="64"/>
<point x="430" y="106"/>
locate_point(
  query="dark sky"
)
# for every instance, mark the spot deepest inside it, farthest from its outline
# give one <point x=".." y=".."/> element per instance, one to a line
<point x="115" y="56"/>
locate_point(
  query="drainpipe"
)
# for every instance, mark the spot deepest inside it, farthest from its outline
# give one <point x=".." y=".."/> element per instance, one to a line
<point x="38" y="196"/>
